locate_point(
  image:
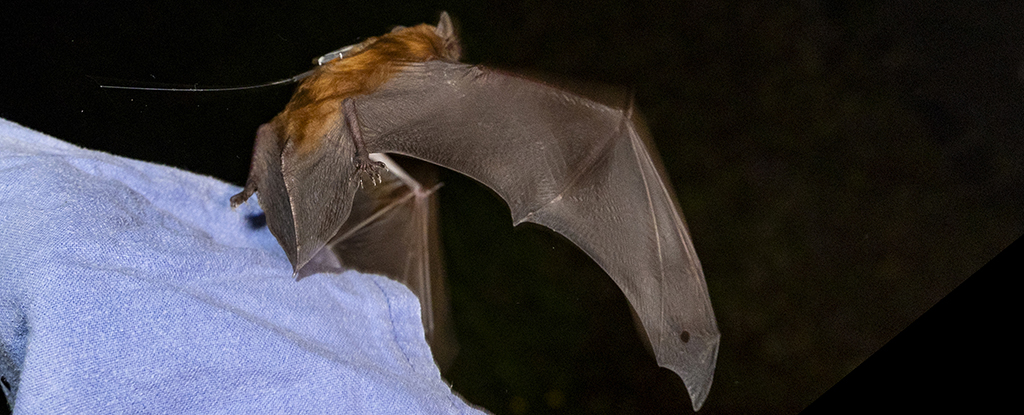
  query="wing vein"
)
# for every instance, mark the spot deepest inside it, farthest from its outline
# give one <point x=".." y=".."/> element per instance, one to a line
<point x="641" y="163"/>
<point x="585" y="166"/>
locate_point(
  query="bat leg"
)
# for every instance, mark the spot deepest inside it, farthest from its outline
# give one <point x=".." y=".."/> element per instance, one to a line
<point x="242" y="196"/>
<point x="364" y="165"/>
<point x="267" y="146"/>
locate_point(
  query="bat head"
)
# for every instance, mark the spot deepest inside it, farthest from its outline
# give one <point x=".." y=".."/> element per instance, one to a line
<point x="445" y="29"/>
<point x="442" y="41"/>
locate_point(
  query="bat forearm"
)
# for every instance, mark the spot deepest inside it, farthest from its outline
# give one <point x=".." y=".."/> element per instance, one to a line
<point x="362" y="157"/>
<point x="348" y="110"/>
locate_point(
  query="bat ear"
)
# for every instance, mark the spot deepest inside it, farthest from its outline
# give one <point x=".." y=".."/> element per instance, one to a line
<point x="446" y="31"/>
<point x="445" y="28"/>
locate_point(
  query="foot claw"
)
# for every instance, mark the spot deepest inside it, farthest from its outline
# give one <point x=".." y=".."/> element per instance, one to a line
<point x="240" y="198"/>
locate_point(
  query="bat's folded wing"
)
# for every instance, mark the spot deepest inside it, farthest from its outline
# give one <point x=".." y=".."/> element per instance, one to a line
<point x="307" y="195"/>
<point x="581" y="168"/>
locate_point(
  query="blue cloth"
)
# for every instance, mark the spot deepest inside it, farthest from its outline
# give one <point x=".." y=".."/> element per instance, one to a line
<point x="130" y="287"/>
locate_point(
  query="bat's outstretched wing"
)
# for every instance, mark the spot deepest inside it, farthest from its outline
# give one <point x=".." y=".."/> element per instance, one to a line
<point x="581" y="168"/>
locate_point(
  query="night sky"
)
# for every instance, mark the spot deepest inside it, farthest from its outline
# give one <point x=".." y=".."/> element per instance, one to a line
<point x="842" y="166"/>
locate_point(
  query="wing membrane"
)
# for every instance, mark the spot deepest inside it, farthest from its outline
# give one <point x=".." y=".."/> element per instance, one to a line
<point x="581" y="168"/>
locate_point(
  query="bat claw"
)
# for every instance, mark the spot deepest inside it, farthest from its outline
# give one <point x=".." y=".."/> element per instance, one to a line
<point x="371" y="169"/>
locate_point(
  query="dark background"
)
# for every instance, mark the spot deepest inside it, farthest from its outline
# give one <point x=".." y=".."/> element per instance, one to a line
<point x="842" y="165"/>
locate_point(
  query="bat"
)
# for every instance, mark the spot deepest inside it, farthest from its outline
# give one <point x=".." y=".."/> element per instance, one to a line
<point x="576" y="166"/>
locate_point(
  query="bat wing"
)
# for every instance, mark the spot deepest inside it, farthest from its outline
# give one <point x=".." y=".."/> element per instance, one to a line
<point x="392" y="231"/>
<point x="300" y="191"/>
<point x="581" y="168"/>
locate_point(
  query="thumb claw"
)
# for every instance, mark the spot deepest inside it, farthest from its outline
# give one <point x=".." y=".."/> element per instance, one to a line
<point x="369" y="170"/>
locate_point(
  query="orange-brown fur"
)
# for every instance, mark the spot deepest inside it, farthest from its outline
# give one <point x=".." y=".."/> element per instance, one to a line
<point x="317" y="101"/>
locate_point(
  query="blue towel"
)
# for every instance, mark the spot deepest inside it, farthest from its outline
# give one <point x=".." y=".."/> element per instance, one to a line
<point x="130" y="287"/>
